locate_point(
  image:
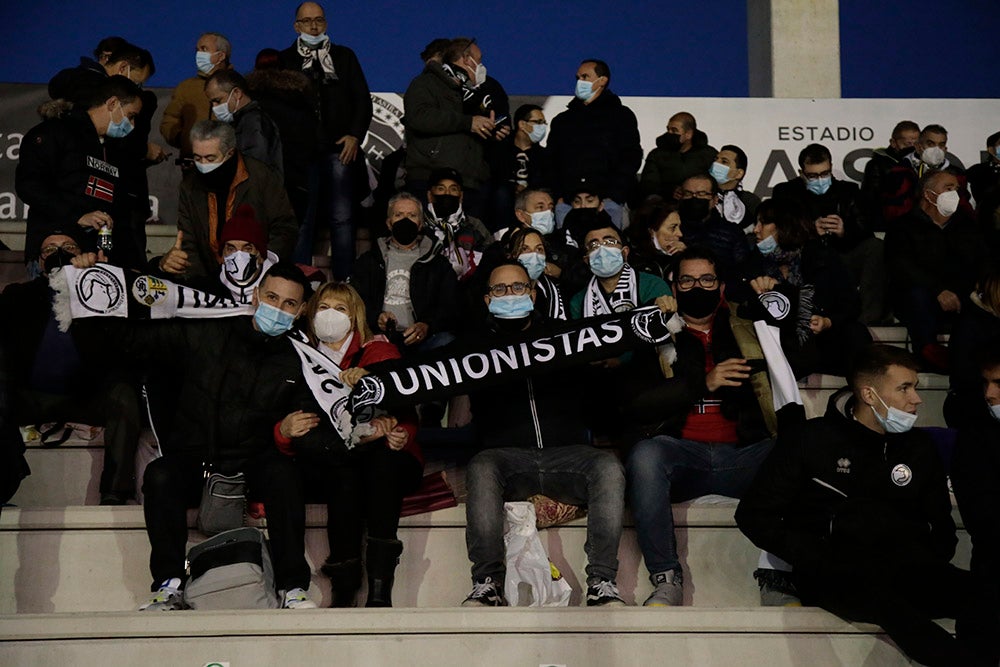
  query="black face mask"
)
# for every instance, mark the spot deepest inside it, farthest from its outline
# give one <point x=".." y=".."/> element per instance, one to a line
<point x="57" y="259"/>
<point x="693" y="209"/>
<point x="697" y="302"/>
<point x="445" y="206"/>
<point x="669" y="141"/>
<point x="405" y="231"/>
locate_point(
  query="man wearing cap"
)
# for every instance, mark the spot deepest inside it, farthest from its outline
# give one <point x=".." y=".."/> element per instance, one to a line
<point x="224" y="181"/>
<point x="463" y="237"/>
<point x="62" y="376"/>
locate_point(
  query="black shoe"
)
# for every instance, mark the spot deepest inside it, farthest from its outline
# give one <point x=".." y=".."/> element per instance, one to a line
<point x="485" y="593"/>
<point x="380" y="561"/>
<point x="776" y="588"/>
<point x="604" y="593"/>
<point x="345" y="580"/>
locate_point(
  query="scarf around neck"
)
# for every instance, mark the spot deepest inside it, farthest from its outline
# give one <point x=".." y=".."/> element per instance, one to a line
<point x="624" y="298"/>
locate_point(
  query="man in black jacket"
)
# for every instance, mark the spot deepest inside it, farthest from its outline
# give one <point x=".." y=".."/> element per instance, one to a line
<point x="68" y="174"/>
<point x="934" y="255"/>
<point x="534" y="431"/>
<point x="256" y="134"/>
<point x="241" y="377"/>
<point x="596" y="138"/>
<point x="702" y="225"/>
<point x="408" y="286"/>
<point x="711" y="436"/>
<point x="345" y="111"/>
<point x="904" y="138"/>
<point x="832" y="208"/>
<point x="858" y="504"/>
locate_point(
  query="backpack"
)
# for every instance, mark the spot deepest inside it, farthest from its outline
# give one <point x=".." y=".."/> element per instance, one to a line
<point x="231" y="571"/>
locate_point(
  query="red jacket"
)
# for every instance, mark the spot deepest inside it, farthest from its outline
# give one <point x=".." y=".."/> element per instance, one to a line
<point x="376" y="350"/>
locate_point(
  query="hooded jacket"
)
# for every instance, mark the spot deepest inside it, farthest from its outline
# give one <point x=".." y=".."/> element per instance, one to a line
<point x="286" y="97"/>
<point x="598" y="142"/>
<point x="833" y="486"/>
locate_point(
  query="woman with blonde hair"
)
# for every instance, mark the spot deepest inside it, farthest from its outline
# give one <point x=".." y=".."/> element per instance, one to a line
<point x="365" y="488"/>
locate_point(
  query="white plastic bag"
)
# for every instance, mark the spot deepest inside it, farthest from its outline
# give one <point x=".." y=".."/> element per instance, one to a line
<point x="527" y="561"/>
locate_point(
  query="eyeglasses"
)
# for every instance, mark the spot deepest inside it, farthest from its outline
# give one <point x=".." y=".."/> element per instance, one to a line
<point x="700" y="194"/>
<point x="815" y="176"/>
<point x="502" y="289"/>
<point x="319" y="22"/>
<point x="49" y="250"/>
<point x="537" y="121"/>
<point x="708" y="281"/>
<point x="608" y="242"/>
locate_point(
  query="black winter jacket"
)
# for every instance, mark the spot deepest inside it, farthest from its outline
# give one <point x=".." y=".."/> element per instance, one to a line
<point x="832" y="487"/>
<point x="919" y="253"/>
<point x="841" y="199"/>
<point x="64" y="171"/>
<point x="597" y="141"/>
<point x="286" y="97"/>
<point x="433" y="287"/>
<point x="726" y="240"/>
<point x="237" y="383"/>
<point x="343" y="105"/>
<point x="257" y="136"/>
<point x="546" y="410"/>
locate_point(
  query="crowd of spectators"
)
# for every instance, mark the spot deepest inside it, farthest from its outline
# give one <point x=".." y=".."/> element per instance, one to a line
<point x="488" y="235"/>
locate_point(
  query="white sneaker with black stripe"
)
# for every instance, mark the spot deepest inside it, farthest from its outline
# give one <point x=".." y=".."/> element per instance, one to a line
<point x="604" y="593"/>
<point x="297" y="599"/>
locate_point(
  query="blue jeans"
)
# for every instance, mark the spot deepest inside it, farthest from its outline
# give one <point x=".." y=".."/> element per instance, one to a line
<point x="331" y="195"/>
<point x="665" y="470"/>
<point x="576" y="474"/>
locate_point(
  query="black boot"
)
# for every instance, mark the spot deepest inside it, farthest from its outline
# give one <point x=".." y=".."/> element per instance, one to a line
<point x="345" y="580"/>
<point x="381" y="560"/>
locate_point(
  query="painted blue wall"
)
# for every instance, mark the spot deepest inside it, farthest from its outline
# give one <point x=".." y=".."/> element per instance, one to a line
<point x="531" y="46"/>
<point x="920" y="48"/>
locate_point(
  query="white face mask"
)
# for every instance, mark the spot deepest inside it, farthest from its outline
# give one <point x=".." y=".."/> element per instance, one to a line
<point x="932" y="156"/>
<point x="331" y="325"/>
<point x="995" y="411"/>
<point x="480" y="77"/>
<point x="947" y="203"/>
<point x="895" y="421"/>
<point x="241" y="268"/>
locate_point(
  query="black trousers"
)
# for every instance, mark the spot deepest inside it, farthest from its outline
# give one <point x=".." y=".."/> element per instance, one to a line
<point x="363" y="491"/>
<point x="173" y="483"/>
<point x="115" y="406"/>
<point x="903" y="595"/>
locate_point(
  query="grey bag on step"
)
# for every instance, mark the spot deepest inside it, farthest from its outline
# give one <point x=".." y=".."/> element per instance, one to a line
<point x="223" y="501"/>
<point x="231" y="571"/>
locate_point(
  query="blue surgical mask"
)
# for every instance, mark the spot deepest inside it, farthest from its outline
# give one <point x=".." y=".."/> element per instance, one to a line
<point x="511" y="306"/>
<point x="537" y="132"/>
<point x="203" y="60"/>
<point x="272" y="321"/>
<point x="222" y="111"/>
<point x="820" y="185"/>
<point x="720" y="173"/>
<point x="995" y="411"/>
<point x="533" y="263"/>
<point x="543" y="221"/>
<point x="768" y="245"/>
<point x="313" y="40"/>
<point x="895" y="421"/>
<point x="584" y="90"/>
<point x="606" y="261"/>
<point x="117" y="130"/>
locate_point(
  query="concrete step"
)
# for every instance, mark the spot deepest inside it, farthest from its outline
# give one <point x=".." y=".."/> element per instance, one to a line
<point x="486" y="637"/>
<point x="94" y="559"/>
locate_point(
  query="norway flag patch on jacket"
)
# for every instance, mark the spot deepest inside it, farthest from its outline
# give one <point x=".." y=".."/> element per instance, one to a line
<point x="100" y="188"/>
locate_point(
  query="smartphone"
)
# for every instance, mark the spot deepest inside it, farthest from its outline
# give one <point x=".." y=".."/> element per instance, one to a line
<point x="501" y="119"/>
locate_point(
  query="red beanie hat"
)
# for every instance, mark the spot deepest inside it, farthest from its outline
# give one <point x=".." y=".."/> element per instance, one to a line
<point x="243" y="226"/>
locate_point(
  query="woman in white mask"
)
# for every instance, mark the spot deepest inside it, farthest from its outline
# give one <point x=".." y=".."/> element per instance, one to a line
<point x="364" y="491"/>
<point x="527" y="247"/>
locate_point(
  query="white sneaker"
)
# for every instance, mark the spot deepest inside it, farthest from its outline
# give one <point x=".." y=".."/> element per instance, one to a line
<point x="297" y="599"/>
<point x="168" y="598"/>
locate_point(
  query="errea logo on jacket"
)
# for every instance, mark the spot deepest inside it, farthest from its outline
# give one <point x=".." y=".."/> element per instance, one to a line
<point x="844" y="466"/>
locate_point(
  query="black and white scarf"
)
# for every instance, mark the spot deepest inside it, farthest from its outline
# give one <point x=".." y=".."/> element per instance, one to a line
<point x="550" y="290"/>
<point x="623" y="299"/>
<point x="317" y="56"/>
